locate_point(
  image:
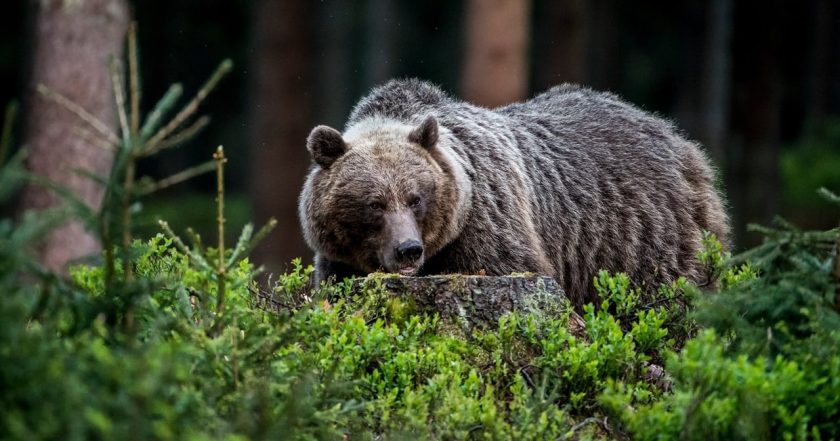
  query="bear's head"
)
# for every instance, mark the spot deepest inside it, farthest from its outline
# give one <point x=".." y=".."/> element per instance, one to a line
<point x="384" y="195"/>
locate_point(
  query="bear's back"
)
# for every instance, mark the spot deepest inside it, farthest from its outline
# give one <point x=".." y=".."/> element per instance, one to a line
<point x="616" y="188"/>
<point x="403" y="100"/>
<point x="587" y="180"/>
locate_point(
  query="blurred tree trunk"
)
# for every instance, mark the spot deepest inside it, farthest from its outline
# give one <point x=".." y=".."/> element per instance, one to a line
<point x="281" y="117"/>
<point x="335" y="61"/>
<point x="383" y="40"/>
<point x="496" y="65"/>
<point x="690" y="38"/>
<point x="71" y="45"/>
<point x="819" y="66"/>
<point x="716" y="79"/>
<point x="603" y="64"/>
<point x="562" y="45"/>
<point x="754" y="156"/>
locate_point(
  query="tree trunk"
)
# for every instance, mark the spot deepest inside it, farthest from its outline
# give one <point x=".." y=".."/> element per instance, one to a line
<point x="562" y="43"/>
<point x="716" y="80"/>
<point x="496" y="66"/>
<point x="71" y="45"/>
<point x="754" y="154"/>
<point x="335" y="63"/>
<point x="819" y="64"/>
<point x="383" y="40"/>
<point x="603" y="64"/>
<point x="281" y="117"/>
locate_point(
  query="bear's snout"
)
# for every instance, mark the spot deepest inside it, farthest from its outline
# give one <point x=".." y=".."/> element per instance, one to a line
<point x="407" y="257"/>
<point x="402" y="250"/>
<point x="409" y="251"/>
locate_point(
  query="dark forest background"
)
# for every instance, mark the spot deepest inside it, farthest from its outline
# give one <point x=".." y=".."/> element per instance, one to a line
<point x="757" y="82"/>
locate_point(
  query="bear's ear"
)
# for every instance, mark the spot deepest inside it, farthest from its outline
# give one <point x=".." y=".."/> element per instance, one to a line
<point x="326" y="145"/>
<point x="426" y="134"/>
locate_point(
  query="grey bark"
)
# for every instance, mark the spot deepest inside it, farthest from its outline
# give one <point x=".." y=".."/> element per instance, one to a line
<point x="478" y="300"/>
<point x="71" y="46"/>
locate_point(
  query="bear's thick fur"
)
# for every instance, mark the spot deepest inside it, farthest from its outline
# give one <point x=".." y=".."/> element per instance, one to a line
<point x="567" y="183"/>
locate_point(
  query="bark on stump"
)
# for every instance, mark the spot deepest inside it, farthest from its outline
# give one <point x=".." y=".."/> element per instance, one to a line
<point x="478" y="300"/>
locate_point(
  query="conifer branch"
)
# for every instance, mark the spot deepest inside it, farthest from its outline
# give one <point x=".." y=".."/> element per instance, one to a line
<point x="195" y="238"/>
<point x="166" y="102"/>
<point x="829" y="195"/>
<point x="192" y="106"/>
<point x="241" y="244"/>
<point x="91" y="175"/>
<point x="119" y="99"/>
<point x="177" y="178"/>
<point x="127" y="159"/>
<point x="251" y="242"/>
<point x="77" y="110"/>
<point x="128" y="187"/>
<point x="221" y="272"/>
<point x="837" y="265"/>
<point x="134" y="78"/>
<point x="199" y="260"/>
<point x="94" y="140"/>
<point x="178" y="138"/>
<point x="164" y="225"/>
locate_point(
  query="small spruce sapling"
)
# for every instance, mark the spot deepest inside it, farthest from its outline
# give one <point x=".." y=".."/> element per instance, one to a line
<point x="113" y="220"/>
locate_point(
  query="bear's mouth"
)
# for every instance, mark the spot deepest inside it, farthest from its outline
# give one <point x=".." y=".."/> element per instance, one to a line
<point x="407" y="270"/>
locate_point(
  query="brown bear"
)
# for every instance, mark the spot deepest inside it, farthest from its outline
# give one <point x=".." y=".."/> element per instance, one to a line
<point x="567" y="183"/>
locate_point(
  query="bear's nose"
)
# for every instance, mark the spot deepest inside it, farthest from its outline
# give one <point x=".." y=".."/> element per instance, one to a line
<point x="409" y="251"/>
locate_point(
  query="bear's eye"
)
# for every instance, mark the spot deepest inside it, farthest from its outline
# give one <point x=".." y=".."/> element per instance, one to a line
<point x="414" y="201"/>
<point x="376" y="206"/>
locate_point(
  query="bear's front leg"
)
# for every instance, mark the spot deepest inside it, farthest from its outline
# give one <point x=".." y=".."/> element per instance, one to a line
<point x="326" y="269"/>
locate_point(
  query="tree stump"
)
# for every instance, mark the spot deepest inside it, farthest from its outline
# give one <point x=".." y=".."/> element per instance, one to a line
<point x="478" y="300"/>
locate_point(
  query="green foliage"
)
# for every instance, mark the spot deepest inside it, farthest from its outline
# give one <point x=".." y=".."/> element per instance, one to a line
<point x="712" y="255"/>
<point x="767" y="365"/>
<point x="737" y="397"/>
<point x="320" y="372"/>
<point x="161" y="360"/>
<point x="74" y="374"/>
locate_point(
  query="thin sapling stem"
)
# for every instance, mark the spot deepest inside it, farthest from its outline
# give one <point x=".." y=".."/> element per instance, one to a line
<point x="221" y="271"/>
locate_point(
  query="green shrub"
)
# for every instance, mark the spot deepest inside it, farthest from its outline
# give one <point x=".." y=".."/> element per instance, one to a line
<point x="767" y="365"/>
<point x="159" y="361"/>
